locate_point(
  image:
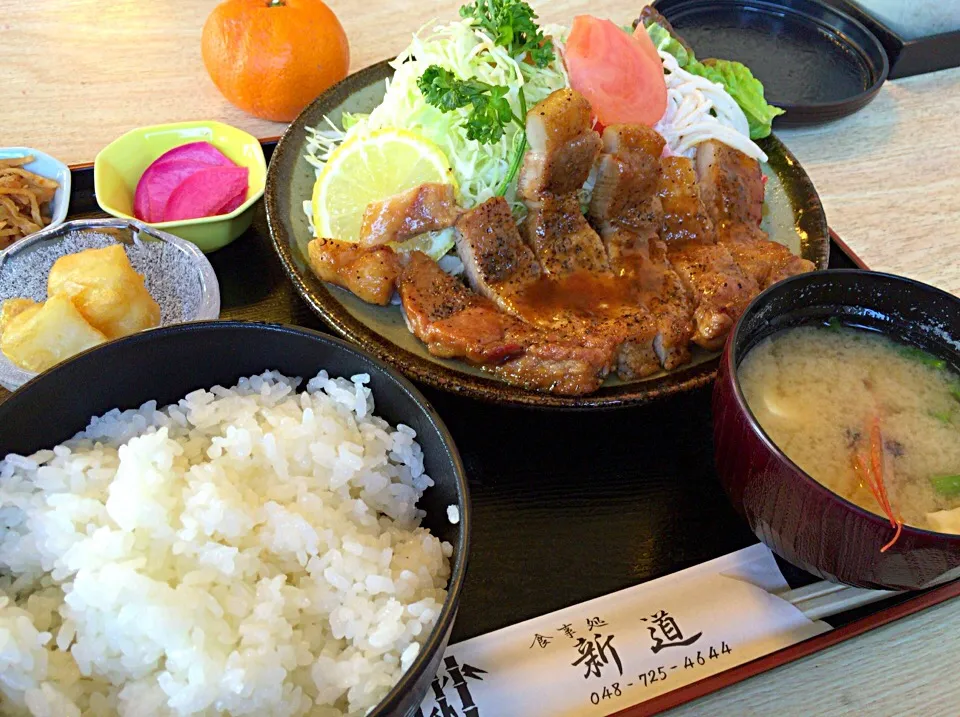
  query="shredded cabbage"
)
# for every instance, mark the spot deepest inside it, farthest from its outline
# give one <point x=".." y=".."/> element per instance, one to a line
<point x="469" y="53"/>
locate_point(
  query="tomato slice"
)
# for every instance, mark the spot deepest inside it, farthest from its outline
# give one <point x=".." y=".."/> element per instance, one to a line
<point x="620" y="77"/>
<point x="641" y="35"/>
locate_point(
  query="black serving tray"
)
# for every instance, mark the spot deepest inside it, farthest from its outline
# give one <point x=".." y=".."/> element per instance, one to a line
<point x="566" y="507"/>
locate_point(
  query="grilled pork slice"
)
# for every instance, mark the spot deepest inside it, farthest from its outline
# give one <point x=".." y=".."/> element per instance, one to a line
<point x="566" y="284"/>
<point x="426" y="208"/>
<point x="628" y="212"/>
<point x="563" y="149"/>
<point x="625" y="204"/>
<point x="657" y="288"/>
<point x="766" y="261"/>
<point x="684" y="216"/>
<point x="627" y="179"/>
<point x="732" y="189"/>
<point x="497" y="263"/>
<point x="562" y="146"/>
<point x="731" y="184"/>
<point x="591" y="307"/>
<point x="720" y="289"/>
<point x="371" y="274"/>
<point x="562" y="238"/>
<point x="454" y="322"/>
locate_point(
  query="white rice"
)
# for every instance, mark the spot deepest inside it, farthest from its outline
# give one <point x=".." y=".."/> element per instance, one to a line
<point x="247" y="551"/>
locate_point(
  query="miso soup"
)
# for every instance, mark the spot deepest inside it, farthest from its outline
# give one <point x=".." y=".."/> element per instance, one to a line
<point x="873" y="420"/>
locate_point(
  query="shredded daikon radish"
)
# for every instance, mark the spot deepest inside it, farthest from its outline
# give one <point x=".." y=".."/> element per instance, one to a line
<point x="699" y="110"/>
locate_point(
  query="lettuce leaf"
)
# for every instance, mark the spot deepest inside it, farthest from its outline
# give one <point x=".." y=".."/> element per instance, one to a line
<point x="736" y="78"/>
<point x="744" y="88"/>
<point x="663" y="40"/>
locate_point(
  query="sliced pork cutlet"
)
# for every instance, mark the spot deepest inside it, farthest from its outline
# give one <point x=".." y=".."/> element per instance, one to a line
<point x="497" y="263"/>
<point x="626" y="209"/>
<point x="499" y="266"/>
<point x="562" y="150"/>
<point x="731" y="184"/>
<point x="577" y="290"/>
<point x="371" y="274"/>
<point x="455" y="322"/>
<point x="625" y="193"/>
<point x="580" y="294"/>
<point x="562" y="238"/>
<point x="766" y="261"/>
<point x="426" y="208"/>
<point x="562" y="146"/>
<point x="720" y="289"/>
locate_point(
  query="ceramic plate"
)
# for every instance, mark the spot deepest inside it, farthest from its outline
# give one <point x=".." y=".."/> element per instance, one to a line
<point x="793" y="216"/>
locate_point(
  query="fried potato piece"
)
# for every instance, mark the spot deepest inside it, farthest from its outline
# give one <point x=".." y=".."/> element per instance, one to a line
<point x="13" y="307"/>
<point x="106" y="289"/>
<point x="43" y="335"/>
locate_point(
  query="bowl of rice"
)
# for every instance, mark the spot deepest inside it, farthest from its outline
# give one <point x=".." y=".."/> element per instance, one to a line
<point x="225" y="518"/>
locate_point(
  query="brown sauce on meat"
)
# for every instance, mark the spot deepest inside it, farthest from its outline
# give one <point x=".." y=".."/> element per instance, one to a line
<point x="591" y="295"/>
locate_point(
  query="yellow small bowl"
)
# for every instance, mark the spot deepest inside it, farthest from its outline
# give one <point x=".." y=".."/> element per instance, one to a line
<point x="119" y="166"/>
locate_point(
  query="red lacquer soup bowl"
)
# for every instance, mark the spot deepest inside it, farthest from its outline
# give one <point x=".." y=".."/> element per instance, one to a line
<point x="799" y="519"/>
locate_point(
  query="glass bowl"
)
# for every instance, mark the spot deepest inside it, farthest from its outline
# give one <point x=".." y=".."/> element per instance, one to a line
<point x="176" y="272"/>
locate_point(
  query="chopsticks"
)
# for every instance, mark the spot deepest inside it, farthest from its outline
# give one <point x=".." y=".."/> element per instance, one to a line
<point x="825" y="599"/>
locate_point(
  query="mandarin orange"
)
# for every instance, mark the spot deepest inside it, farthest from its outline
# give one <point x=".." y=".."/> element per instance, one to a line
<point x="272" y="57"/>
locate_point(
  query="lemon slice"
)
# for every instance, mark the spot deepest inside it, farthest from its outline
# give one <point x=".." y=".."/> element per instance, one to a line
<point x="371" y="167"/>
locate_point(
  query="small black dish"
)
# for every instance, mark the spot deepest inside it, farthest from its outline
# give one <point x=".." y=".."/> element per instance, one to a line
<point x="908" y="56"/>
<point x="815" y="62"/>
<point x="167" y="363"/>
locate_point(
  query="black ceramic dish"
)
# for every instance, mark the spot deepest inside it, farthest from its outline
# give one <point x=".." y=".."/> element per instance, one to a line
<point x="165" y="364"/>
<point x="797" y="517"/>
<point x="815" y="62"/>
<point x="793" y="215"/>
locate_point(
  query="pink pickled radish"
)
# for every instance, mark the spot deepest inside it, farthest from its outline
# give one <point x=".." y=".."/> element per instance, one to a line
<point x="233" y="203"/>
<point x="202" y="152"/>
<point x="167" y="171"/>
<point x="206" y="192"/>
<point x="157" y="184"/>
<point x="141" y="201"/>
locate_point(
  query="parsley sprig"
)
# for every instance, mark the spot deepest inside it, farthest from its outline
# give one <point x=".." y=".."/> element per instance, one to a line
<point x="511" y="25"/>
<point x="489" y="117"/>
<point x="491" y="108"/>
